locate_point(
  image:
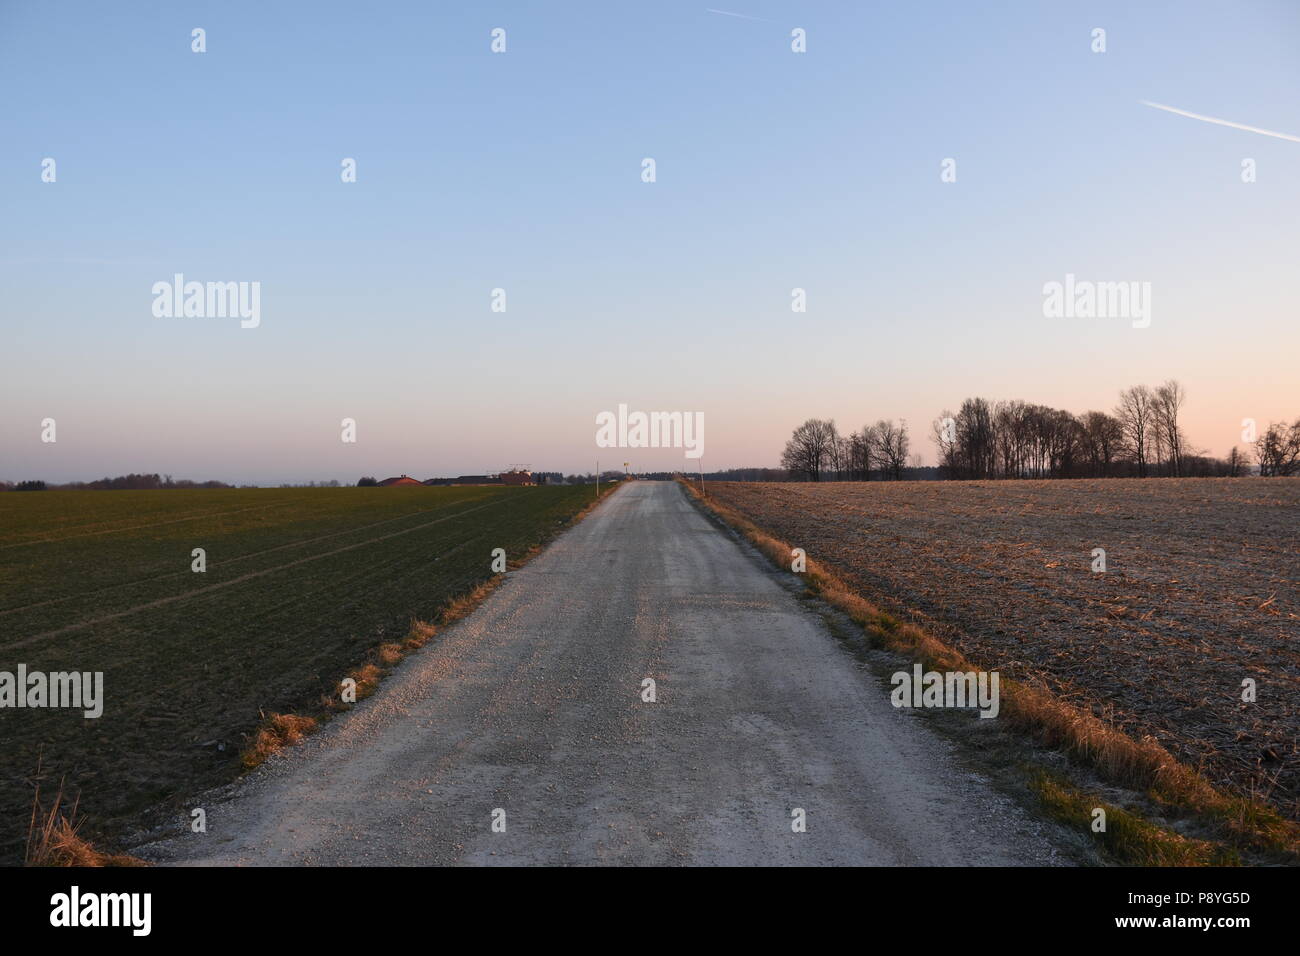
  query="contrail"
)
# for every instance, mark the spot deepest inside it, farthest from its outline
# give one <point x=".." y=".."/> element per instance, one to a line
<point x="743" y="16"/>
<point x="1221" y="122"/>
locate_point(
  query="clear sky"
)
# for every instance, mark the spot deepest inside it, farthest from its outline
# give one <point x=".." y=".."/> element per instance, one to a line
<point x="522" y="171"/>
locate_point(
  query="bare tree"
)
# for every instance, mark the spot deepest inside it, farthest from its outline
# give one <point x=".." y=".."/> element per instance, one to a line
<point x="890" y="446"/>
<point x="1236" y="463"/>
<point x="1064" y="442"/>
<point x="1009" y="436"/>
<point x="1135" y="412"/>
<point x="860" y="453"/>
<point x="809" y="450"/>
<point x="841" y="456"/>
<point x="1278" y="450"/>
<point x="943" y="432"/>
<point x="1168" y="402"/>
<point x="972" y="432"/>
<point x="1103" y="437"/>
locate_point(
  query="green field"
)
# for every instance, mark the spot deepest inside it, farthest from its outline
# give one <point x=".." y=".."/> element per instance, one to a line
<point x="301" y="585"/>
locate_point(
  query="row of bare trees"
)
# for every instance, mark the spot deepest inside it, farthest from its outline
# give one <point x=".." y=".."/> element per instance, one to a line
<point x="818" y="452"/>
<point x="1140" y="437"/>
<point x="1149" y="417"/>
<point x="1014" y="439"/>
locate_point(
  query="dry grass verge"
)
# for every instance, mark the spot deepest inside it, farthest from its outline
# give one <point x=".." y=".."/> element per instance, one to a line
<point x="1126" y="838"/>
<point x="276" y="732"/>
<point x="53" y="839"/>
<point x="1140" y="764"/>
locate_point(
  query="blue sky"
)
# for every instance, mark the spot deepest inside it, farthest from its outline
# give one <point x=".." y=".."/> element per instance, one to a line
<point x="521" y="170"/>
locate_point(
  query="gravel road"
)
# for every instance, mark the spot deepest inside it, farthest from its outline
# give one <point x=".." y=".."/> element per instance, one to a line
<point x="532" y="705"/>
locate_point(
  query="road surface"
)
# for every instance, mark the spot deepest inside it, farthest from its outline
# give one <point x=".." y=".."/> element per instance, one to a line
<point x="529" y="713"/>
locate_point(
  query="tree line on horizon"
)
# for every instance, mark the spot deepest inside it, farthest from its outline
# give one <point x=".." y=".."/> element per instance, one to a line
<point x="131" y="482"/>
<point x="1141" y="437"/>
<point x="819" y="452"/>
<point x="156" y="482"/>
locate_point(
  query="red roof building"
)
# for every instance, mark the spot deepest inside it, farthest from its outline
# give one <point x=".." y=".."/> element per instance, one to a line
<point x="517" y="477"/>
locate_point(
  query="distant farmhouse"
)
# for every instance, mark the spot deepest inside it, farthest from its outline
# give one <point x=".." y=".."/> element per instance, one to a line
<point x="517" y="476"/>
<point x="401" y="480"/>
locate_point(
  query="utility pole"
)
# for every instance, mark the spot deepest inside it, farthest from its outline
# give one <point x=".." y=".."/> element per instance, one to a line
<point x="597" y="479"/>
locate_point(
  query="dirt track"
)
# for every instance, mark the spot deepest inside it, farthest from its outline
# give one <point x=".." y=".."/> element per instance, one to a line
<point x="532" y="704"/>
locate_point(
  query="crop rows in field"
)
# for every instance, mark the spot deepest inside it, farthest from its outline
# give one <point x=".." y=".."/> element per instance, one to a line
<point x="1201" y="591"/>
<point x="300" y="584"/>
